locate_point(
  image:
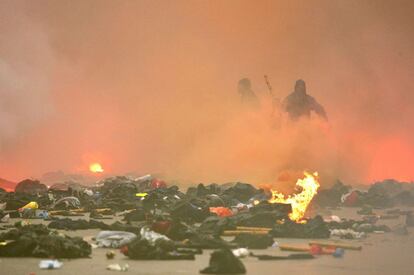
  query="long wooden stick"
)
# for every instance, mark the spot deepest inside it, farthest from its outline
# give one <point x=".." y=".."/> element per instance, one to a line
<point x="337" y="244"/>
<point x="289" y="247"/>
<point x="250" y="228"/>
<point x="239" y="232"/>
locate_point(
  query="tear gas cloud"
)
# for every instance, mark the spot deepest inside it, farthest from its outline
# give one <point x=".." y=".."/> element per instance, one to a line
<point x="151" y="87"/>
<point x="26" y="64"/>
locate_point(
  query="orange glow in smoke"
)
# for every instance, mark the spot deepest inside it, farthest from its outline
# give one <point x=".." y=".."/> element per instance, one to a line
<point x="96" y="168"/>
<point x="300" y="201"/>
<point x="393" y="159"/>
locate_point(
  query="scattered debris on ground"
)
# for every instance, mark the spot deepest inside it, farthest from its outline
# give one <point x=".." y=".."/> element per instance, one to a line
<point x="160" y="222"/>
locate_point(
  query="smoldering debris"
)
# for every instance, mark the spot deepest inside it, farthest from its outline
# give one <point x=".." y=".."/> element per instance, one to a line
<point x="163" y="223"/>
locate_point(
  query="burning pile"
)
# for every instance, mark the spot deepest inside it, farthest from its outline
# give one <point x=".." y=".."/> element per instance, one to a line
<point x="96" y="168"/>
<point x="299" y="202"/>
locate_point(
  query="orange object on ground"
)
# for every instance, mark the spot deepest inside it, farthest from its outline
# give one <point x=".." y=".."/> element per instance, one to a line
<point x="321" y="250"/>
<point x="221" y="211"/>
<point x="157" y="183"/>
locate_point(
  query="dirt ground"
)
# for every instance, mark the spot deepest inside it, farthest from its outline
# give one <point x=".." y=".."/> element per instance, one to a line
<point x="381" y="254"/>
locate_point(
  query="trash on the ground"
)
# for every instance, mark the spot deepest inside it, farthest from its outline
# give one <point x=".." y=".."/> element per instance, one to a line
<point x="364" y="227"/>
<point x="339" y="252"/>
<point x="313" y="228"/>
<point x="294" y="247"/>
<point x="332" y="218"/>
<point x="250" y="228"/>
<point x="88" y="192"/>
<point x="160" y="249"/>
<point x="42" y="214"/>
<point x="50" y="264"/>
<point x="27" y="213"/>
<point x="134" y="215"/>
<point x="336" y="244"/>
<point x="110" y="255"/>
<point x="30" y="205"/>
<point x="347" y="234"/>
<point x="365" y="210"/>
<point x="36" y="240"/>
<point x="152" y="236"/>
<point x="221" y="211"/>
<point x="5" y="218"/>
<point x="31" y="187"/>
<point x="114" y="239"/>
<point x="243" y="232"/>
<point x="351" y="198"/>
<point x="160" y="222"/>
<point x="118" y="267"/>
<point x="296" y="256"/>
<point x="331" y="197"/>
<point x="157" y="183"/>
<point x="241" y="252"/>
<point x="223" y="261"/>
<point x="316" y="249"/>
<point x="66" y="203"/>
<point x="370" y="219"/>
<point x="253" y="241"/>
<point x="162" y="227"/>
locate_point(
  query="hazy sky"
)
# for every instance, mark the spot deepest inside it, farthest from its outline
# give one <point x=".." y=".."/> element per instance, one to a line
<point x="150" y="86"/>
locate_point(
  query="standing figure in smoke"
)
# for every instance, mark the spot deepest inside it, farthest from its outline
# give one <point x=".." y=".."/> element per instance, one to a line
<point x="248" y="97"/>
<point x="299" y="104"/>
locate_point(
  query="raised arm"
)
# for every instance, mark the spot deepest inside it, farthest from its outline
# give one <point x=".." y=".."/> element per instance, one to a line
<point x="318" y="108"/>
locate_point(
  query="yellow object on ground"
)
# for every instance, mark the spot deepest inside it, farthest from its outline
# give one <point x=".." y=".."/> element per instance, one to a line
<point x="141" y="194"/>
<point x="31" y="205"/>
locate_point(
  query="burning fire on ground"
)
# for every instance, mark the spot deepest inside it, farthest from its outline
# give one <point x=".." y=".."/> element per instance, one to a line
<point x="300" y="201"/>
<point x="96" y="168"/>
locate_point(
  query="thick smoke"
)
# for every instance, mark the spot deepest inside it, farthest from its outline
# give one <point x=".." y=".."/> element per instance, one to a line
<point x="26" y="68"/>
<point x="150" y="87"/>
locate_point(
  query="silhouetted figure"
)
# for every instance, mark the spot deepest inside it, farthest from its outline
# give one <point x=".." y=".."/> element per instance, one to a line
<point x="248" y="97"/>
<point x="299" y="104"/>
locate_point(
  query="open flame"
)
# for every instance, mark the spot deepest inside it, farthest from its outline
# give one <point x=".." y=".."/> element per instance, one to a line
<point x="300" y="201"/>
<point x="96" y="168"/>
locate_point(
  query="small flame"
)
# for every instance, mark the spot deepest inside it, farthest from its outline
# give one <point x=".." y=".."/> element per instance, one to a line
<point x="96" y="168"/>
<point x="300" y="201"/>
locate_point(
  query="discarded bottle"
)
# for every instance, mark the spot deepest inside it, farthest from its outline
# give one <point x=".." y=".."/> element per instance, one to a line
<point x="339" y="252"/>
<point x="43" y="214"/>
<point x="118" y="267"/>
<point x="50" y="264"/>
